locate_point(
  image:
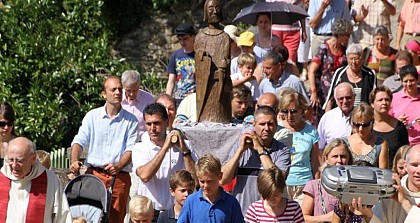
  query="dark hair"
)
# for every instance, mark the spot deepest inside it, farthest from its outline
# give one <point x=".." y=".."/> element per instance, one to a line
<point x="265" y="110"/>
<point x="8" y="113"/>
<point x="362" y="163"/>
<point x="156" y="109"/>
<point x="264" y="13"/>
<point x="341" y="27"/>
<point x="409" y="70"/>
<point x="276" y="57"/>
<point x="282" y="50"/>
<point x="376" y="90"/>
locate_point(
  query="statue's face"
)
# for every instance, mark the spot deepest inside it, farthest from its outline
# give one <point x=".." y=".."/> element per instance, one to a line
<point x="214" y="11"/>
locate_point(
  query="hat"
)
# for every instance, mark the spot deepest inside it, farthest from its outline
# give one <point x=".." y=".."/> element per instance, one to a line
<point x="185" y="29"/>
<point x="232" y="31"/>
<point x="246" y="39"/>
<point x="413" y="45"/>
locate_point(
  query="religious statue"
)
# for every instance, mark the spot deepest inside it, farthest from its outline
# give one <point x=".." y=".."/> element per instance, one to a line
<point x="212" y="61"/>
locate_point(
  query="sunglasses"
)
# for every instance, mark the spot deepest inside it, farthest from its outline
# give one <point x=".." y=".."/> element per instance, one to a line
<point x="363" y="124"/>
<point x="3" y="124"/>
<point x="290" y="111"/>
<point x="345" y="97"/>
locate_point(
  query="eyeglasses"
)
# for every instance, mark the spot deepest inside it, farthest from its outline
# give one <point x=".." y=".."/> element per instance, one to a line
<point x="290" y="111"/>
<point x="345" y="97"/>
<point x="16" y="160"/>
<point x="363" y="124"/>
<point x="3" y="123"/>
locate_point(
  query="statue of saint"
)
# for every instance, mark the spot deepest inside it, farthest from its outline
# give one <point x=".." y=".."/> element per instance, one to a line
<point x="212" y="61"/>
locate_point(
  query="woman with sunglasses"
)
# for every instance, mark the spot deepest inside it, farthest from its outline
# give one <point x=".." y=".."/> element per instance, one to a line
<point x="318" y="204"/>
<point x="386" y="126"/>
<point x="304" y="151"/>
<point x="362" y="78"/>
<point x="7" y="128"/>
<point x="364" y="143"/>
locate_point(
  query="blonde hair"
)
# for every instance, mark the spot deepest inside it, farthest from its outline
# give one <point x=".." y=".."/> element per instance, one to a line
<point x="140" y="205"/>
<point x="288" y="97"/>
<point x="400" y="154"/>
<point x="208" y="164"/>
<point x="363" y="110"/>
<point x="330" y="146"/>
<point x="270" y="180"/>
<point x="43" y="157"/>
<point x="247" y="58"/>
<point x="79" y="220"/>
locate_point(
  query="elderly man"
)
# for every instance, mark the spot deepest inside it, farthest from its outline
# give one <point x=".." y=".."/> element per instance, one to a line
<point x="156" y="159"/>
<point x="336" y="122"/>
<point x="255" y="150"/>
<point x="402" y="58"/>
<point x="405" y="205"/>
<point x="29" y="192"/>
<point x="277" y="77"/>
<point x="135" y="99"/>
<point x="110" y="133"/>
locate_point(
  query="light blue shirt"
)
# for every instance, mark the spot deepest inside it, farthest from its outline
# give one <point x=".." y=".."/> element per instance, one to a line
<point x="300" y="156"/>
<point x="286" y="80"/>
<point x="336" y="10"/>
<point x="107" y="139"/>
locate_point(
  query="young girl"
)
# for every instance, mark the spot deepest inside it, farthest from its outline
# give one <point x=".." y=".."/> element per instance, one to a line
<point x="273" y="207"/>
<point x="398" y="163"/>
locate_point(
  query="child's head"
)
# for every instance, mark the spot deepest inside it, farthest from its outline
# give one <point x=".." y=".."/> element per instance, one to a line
<point x="247" y="63"/>
<point x="44" y="158"/>
<point x="79" y="220"/>
<point x="141" y="209"/>
<point x="271" y="184"/>
<point x="398" y="162"/>
<point x="209" y="172"/>
<point x="181" y="185"/>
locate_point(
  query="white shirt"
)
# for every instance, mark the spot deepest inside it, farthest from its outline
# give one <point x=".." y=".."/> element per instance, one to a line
<point x="333" y="124"/>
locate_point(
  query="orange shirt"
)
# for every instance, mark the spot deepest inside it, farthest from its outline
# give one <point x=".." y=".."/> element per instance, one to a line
<point x="410" y="16"/>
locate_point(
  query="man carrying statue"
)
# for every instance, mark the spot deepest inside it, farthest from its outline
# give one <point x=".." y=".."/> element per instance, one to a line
<point x="212" y="63"/>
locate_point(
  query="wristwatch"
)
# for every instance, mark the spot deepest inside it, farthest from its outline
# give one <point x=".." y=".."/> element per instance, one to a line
<point x="265" y="152"/>
<point x="186" y="153"/>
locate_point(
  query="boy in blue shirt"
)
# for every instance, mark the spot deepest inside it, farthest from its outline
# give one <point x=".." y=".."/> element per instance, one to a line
<point x="210" y="204"/>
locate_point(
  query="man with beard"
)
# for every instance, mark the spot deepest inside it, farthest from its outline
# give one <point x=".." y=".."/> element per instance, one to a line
<point x="212" y="59"/>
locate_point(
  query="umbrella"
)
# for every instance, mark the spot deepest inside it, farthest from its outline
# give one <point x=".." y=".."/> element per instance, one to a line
<point x="281" y="13"/>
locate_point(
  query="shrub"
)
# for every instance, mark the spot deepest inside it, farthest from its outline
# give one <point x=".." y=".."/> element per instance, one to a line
<point x="53" y="56"/>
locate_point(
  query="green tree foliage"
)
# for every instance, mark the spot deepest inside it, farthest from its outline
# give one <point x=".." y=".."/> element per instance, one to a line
<point x="53" y="56"/>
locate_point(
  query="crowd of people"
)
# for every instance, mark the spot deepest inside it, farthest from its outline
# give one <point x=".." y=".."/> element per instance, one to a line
<point x="361" y="107"/>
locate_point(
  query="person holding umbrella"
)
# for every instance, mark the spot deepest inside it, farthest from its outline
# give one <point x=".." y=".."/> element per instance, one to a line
<point x="265" y="40"/>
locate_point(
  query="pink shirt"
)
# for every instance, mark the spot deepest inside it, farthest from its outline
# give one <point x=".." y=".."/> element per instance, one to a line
<point x="410" y="16"/>
<point x="136" y="107"/>
<point x="410" y="106"/>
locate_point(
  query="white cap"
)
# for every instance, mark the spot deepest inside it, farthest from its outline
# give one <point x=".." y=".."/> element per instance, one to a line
<point x="232" y="31"/>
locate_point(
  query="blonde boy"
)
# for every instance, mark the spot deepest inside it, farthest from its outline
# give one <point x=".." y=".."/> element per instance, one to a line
<point x="247" y="64"/>
<point x="141" y="209"/>
<point x="211" y="203"/>
<point x="181" y="184"/>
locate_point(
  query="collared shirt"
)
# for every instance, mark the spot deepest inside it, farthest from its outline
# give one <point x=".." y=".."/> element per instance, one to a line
<point x="107" y="139"/>
<point x="286" y="80"/>
<point x="410" y="16"/>
<point x="137" y="106"/>
<point x="393" y="83"/>
<point x="198" y="209"/>
<point x="167" y="216"/>
<point x="377" y="16"/>
<point x="402" y="103"/>
<point x="333" y="124"/>
<point x="336" y="10"/>
<point x="157" y="188"/>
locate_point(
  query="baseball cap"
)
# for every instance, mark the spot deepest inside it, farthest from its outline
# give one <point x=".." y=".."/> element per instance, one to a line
<point x="413" y="45"/>
<point x="246" y="39"/>
<point x="232" y="31"/>
<point x="185" y="29"/>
